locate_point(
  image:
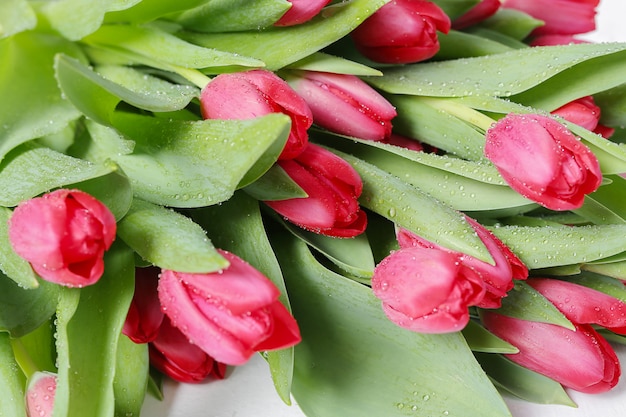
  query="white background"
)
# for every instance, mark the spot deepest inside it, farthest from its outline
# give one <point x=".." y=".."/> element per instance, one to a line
<point x="248" y="390"/>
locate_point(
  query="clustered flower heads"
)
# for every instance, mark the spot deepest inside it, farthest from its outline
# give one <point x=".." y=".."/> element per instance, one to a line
<point x="309" y="183"/>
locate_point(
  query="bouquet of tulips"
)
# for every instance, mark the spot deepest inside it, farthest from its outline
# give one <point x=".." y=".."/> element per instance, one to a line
<point x="406" y="207"/>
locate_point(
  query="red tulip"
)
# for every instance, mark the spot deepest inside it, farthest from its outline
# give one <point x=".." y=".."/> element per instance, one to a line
<point x="542" y="160"/>
<point x="344" y="104"/>
<point x="478" y="13"/>
<point x="63" y="235"/>
<point x="401" y="32"/>
<point x="333" y="188"/>
<point x="584" y="112"/>
<point x="229" y="314"/>
<point x="40" y="394"/>
<point x="250" y="94"/>
<point x="301" y="11"/>
<point x="144" y="317"/>
<point x="563" y="17"/>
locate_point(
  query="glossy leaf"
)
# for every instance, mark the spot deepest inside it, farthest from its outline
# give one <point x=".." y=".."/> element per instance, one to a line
<point x="39" y="348"/>
<point x="613" y="287"/>
<point x="182" y="163"/>
<point x="480" y="339"/>
<point x="613" y="105"/>
<point x="455" y="8"/>
<point x="511" y="22"/>
<point x="89" y="324"/>
<point x="237" y="226"/>
<point x="31" y="104"/>
<point x="11" y="381"/>
<point x="168" y="239"/>
<point x="12" y="265"/>
<point x="16" y="16"/>
<point x="148" y="10"/>
<point x="347" y="339"/>
<point x="278" y="47"/>
<point x="614" y="269"/>
<point x="413" y="209"/>
<point x="319" y="61"/>
<point x="131" y="377"/>
<point x="457" y="44"/>
<point x="275" y="184"/>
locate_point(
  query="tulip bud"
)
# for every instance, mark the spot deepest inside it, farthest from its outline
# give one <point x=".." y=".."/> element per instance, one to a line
<point x="301" y="11"/>
<point x="478" y="13"/>
<point x="563" y="17"/>
<point x="40" y="394"/>
<point x="542" y="160"/>
<point x="401" y="32"/>
<point x="585" y="113"/>
<point x="144" y="317"/>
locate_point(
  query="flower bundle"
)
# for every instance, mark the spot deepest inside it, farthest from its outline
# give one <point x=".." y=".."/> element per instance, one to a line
<point x="407" y="207"/>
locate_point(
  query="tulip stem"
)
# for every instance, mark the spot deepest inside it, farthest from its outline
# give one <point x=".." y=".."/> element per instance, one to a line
<point x="460" y="111"/>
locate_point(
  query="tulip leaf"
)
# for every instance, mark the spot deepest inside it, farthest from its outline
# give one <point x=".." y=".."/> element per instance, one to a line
<point x="39" y="348"/>
<point x="613" y="269"/>
<point x="511" y="22"/>
<point x="480" y="339"/>
<point x="31" y="105"/>
<point x="131" y="377"/>
<point x="148" y="10"/>
<point x="457" y="44"/>
<point x="455" y="8"/>
<point x="278" y="47"/>
<point x="548" y="246"/>
<point x="23" y="310"/>
<point x="525" y="303"/>
<point x="319" y="61"/>
<point x="183" y="163"/>
<point x="347" y="339"/>
<point x="11" y="381"/>
<point x="233" y="15"/>
<point x="11" y="264"/>
<point x="275" y="184"/>
<point x="607" y="285"/>
<point x="411" y="208"/>
<point x="89" y="324"/>
<point x="237" y="226"/>
<point x="16" y="16"/>
<point x="168" y="239"/>
<point x="510" y="73"/>
<point x="522" y="382"/>
<point x="613" y="105"/>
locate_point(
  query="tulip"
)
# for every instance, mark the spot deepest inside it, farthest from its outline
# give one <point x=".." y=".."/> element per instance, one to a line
<point x="144" y="317"/>
<point x="250" y="94"/>
<point x="404" y="142"/>
<point x="478" y="13"/>
<point x="401" y="32"/>
<point x="229" y="314"/>
<point x="426" y="290"/>
<point x="40" y="394"/>
<point x="563" y="17"/>
<point x="301" y="11"/>
<point x="63" y="235"/>
<point x="585" y="113"/>
<point x="333" y="188"/>
<point x="542" y="160"/>
<point x="344" y="104"/>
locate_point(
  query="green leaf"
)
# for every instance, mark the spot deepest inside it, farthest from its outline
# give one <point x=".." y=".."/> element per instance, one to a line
<point x="168" y="239"/>
<point x="275" y="184"/>
<point x="131" y="377"/>
<point x="354" y="361"/>
<point x="29" y="170"/>
<point x="11" y="381"/>
<point x="233" y="15"/>
<point x="31" y="105"/>
<point x="39" y="347"/>
<point x="548" y="246"/>
<point x="614" y="269"/>
<point x="607" y="285"/>
<point x="613" y="105"/>
<point x="480" y="339"/>
<point x="182" y="163"/>
<point x="148" y="10"/>
<point x="237" y="226"/>
<point x="413" y="209"/>
<point x="605" y="205"/>
<point x="511" y="22"/>
<point x="523" y="383"/>
<point x="278" y="47"/>
<point x="11" y="264"/>
<point x="455" y="8"/>
<point x="16" y="16"/>
<point x="457" y="44"/>
<point x="23" y="310"/>
<point x="319" y="61"/>
<point x="89" y="324"/>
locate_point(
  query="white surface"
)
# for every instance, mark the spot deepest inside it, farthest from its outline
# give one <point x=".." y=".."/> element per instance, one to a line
<point x="248" y="390"/>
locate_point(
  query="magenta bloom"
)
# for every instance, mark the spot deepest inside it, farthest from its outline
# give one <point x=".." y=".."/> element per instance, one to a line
<point x="478" y="13"/>
<point x="542" y="160"/>
<point x="250" y="94"/>
<point x="563" y="17"/>
<point x="229" y="314"/>
<point x="584" y="112"/>
<point x="63" y="235"/>
<point x="144" y="317"/>
<point x="40" y="394"/>
<point x="333" y="188"/>
<point x="301" y="11"/>
<point x="401" y="32"/>
<point x="345" y="104"/>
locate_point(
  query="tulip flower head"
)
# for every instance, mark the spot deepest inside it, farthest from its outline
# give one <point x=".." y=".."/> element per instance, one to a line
<point x="478" y="13"/>
<point x="63" y="235"/>
<point x="401" y="32"/>
<point x="250" y="94"/>
<point x="301" y="11"/>
<point x="144" y="317"/>
<point x="585" y="113"/>
<point x="229" y="314"/>
<point x="40" y="394"/>
<point x="542" y="160"/>
<point x="333" y="188"/>
<point x="563" y="17"/>
<point x="344" y="104"/>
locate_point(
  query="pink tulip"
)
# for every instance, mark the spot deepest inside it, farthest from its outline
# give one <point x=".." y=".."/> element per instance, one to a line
<point x="250" y="94"/>
<point x="301" y="11"/>
<point x="229" y="314"/>
<point x="401" y="32"/>
<point x="478" y="13"/>
<point x="563" y="17"/>
<point x="426" y="290"/>
<point x="63" y="235"/>
<point x="542" y="160"/>
<point x="404" y="142"/>
<point x="344" y="104"/>
<point x="333" y="188"/>
<point x="585" y="113"/>
<point x="144" y="317"/>
<point x="40" y="394"/>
